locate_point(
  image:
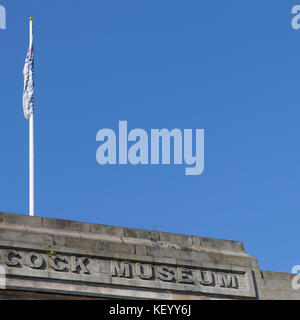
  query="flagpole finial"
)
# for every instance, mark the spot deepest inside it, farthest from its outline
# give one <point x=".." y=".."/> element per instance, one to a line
<point x="30" y="19"/>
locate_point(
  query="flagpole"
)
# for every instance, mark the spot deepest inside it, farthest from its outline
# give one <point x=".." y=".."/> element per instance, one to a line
<point x="31" y="141"/>
<point x="31" y="165"/>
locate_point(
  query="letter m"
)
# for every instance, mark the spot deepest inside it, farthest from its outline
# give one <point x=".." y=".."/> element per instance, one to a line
<point x="166" y="136"/>
<point x="120" y="270"/>
<point x="228" y="280"/>
<point x="2" y="17"/>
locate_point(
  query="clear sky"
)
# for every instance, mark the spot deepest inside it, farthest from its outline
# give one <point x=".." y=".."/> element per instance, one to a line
<point x="228" y="67"/>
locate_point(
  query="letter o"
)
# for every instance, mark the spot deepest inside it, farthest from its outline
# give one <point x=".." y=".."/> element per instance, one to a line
<point x="36" y="263"/>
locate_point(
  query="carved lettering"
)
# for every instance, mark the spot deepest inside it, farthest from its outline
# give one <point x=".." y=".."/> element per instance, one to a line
<point x="165" y="274"/>
<point x="228" y="280"/>
<point x="185" y="275"/>
<point x="10" y="258"/>
<point x="120" y="270"/>
<point x="141" y="272"/>
<point x="144" y="271"/>
<point x="205" y="277"/>
<point x="56" y="262"/>
<point x="78" y="263"/>
<point x="34" y="260"/>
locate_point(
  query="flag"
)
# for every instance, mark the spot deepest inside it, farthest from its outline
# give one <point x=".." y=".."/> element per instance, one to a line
<point x="28" y="92"/>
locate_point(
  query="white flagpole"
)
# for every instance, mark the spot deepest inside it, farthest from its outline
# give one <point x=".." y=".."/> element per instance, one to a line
<point x="31" y="142"/>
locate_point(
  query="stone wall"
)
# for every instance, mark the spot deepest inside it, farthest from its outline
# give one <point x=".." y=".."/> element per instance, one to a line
<point x="47" y="258"/>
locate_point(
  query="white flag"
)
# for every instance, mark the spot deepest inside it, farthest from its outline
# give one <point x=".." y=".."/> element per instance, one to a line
<point x="28" y="92"/>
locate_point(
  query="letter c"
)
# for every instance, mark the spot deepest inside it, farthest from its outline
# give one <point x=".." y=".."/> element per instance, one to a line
<point x="10" y="258"/>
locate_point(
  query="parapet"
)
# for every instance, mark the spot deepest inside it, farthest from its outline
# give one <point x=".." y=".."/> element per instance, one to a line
<point x="54" y="258"/>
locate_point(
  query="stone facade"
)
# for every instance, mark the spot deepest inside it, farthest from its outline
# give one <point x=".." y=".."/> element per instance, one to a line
<point x="45" y="258"/>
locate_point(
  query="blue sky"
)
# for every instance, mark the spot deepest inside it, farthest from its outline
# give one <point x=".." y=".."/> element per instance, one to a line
<point x="229" y="67"/>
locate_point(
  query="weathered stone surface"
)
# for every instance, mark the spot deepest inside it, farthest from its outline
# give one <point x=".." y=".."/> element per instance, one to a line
<point x="58" y="257"/>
